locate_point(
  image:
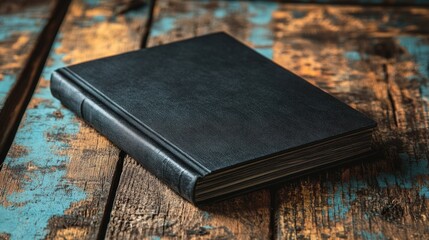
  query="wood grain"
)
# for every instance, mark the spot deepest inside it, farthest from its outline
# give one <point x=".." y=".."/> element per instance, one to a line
<point x="396" y="3"/>
<point x="373" y="59"/>
<point x="57" y="177"/>
<point x="21" y="24"/>
<point x="20" y="94"/>
<point x="144" y="206"/>
<point x="376" y="61"/>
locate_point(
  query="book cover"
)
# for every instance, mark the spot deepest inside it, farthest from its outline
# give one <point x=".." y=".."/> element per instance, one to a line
<point x="211" y="117"/>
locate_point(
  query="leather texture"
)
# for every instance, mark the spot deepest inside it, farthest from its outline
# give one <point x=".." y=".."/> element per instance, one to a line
<point x="150" y="154"/>
<point x="197" y="106"/>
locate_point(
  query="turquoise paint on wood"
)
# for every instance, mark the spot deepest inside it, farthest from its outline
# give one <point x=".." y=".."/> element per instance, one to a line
<point x="45" y="192"/>
<point x="407" y="177"/>
<point x="343" y="194"/>
<point x="418" y="48"/>
<point x="5" y="85"/>
<point x="162" y="26"/>
<point x="21" y="23"/>
<point x="424" y="192"/>
<point x="260" y="16"/>
<point x="28" y="22"/>
<point x="261" y="35"/>
<point x="352" y="55"/>
<point x="222" y="11"/>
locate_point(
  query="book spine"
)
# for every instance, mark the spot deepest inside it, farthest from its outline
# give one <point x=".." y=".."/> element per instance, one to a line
<point x="155" y="158"/>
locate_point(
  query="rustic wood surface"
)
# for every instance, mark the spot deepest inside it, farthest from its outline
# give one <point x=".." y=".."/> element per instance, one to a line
<point x="360" y="56"/>
<point x="376" y="60"/>
<point x="20" y="25"/>
<point x="145" y="207"/>
<point x="57" y="177"/>
<point x="59" y="180"/>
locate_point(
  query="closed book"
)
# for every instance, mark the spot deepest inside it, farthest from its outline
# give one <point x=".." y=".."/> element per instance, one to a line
<point x="211" y="117"/>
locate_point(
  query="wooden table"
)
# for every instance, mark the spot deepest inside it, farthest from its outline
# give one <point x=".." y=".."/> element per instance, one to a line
<point x="61" y="179"/>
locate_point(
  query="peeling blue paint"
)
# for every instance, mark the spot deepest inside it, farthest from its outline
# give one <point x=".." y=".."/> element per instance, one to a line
<point x="261" y="35"/>
<point x="221" y="11"/>
<point x="418" y="48"/>
<point x="45" y="192"/>
<point x="352" y="55"/>
<point x="409" y="171"/>
<point x="19" y="23"/>
<point x="92" y="3"/>
<point x="424" y="192"/>
<point x="99" y="18"/>
<point x="162" y="26"/>
<point x="43" y="196"/>
<point x="206" y="215"/>
<point x="207" y="227"/>
<point x="5" y="85"/>
<point x="28" y="22"/>
<point x="342" y="198"/>
<point x="406" y="177"/>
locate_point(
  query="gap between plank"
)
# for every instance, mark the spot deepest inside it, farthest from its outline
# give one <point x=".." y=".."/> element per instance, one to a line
<point x="148" y="26"/>
<point x="111" y="197"/>
<point x="20" y="95"/>
<point x="120" y="164"/>
<point x="273" y="213"/>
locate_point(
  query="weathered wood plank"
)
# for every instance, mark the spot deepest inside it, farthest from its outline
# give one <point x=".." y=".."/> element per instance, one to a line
<point x="375" y="59"/>
<point x="57" y="176"/>
<point x="20" y="94"/>
<point x="365" y="2"/>
<point x="144" y="206"/>
<point x="20" y="25"/>
<point x="351" y="53"/>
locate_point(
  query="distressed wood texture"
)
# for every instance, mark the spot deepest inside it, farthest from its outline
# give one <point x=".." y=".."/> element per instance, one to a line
<point x="366" y="2"/>
<point x="144" y="206"/>
<point x="376" y="60"/>
<point x="20" y="25"/>
<point x="56" y="179"/>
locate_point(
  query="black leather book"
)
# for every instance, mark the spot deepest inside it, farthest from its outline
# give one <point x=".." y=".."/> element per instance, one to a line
<point x="211" y="117"/>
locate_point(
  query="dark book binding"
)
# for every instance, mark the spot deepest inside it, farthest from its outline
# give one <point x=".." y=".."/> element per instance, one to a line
<point x="211" y="117"/>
